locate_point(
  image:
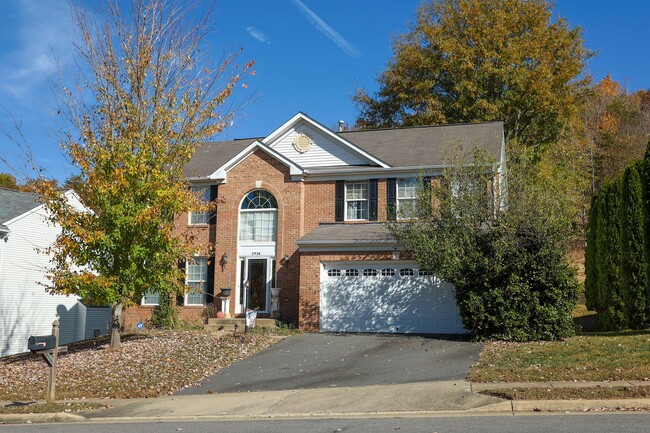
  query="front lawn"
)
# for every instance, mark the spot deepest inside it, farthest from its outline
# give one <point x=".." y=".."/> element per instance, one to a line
<point x="149" y="364"/>
<point x="605" y="357"/>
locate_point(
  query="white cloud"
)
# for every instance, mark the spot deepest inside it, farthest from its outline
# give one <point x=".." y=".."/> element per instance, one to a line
<point x="39" y="36"/>
<point x="257" y="35"/>
<point x="328" y="31"/>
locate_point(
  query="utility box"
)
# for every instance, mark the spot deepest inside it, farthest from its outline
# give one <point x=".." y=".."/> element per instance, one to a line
<point x="41" y="342"/>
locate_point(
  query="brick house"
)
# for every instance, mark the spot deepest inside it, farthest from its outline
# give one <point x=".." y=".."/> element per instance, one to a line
<point x="302" y="210"/>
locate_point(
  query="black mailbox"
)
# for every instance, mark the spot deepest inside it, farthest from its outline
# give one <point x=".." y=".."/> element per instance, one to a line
<point x="41" y="342"/>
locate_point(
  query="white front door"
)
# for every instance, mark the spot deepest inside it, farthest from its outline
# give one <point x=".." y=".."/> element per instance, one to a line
<point x="256" y="277"/>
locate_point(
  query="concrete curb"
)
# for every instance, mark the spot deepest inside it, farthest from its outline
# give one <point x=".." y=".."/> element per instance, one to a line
<point x="505" y="407"/>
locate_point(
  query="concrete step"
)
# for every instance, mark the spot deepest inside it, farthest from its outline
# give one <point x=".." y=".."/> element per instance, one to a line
<point x="238" y="324"/>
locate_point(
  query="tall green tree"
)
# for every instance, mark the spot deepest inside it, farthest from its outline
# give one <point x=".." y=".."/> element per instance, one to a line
<point x="482" y="60"/>
<point x="608" y="263"/>
<point x="633" y="259"/>
<point x="147" y="97"/>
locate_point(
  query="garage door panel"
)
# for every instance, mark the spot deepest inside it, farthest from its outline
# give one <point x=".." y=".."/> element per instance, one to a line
<point x="401" y="304"/>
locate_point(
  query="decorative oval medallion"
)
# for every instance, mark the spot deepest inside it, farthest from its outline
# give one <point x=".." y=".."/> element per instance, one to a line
<point x="302" y="143"/>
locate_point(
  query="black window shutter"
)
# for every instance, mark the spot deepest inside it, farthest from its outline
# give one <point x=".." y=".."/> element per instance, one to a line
<point x="426" y="182"/>
<point x="180" y="298"/>
<point x="340" y="201"/>
<point x="212" y="218"/>
<point x="372" y="200"/>
<point x="209" y="286"/>
<point x="391" y="198"/>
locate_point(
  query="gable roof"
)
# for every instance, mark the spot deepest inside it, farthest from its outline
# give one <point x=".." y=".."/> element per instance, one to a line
<point x="15" y="203"/>
<point x="210" y="156"/>
<point x="429" y="145"/>
<point x="423" y="146"/>
<point x="301" y="117"/>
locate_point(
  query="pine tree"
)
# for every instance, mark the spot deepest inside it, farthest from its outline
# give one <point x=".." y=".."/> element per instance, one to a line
<point x="611" y="312"/>
<point x="633" y="260"/>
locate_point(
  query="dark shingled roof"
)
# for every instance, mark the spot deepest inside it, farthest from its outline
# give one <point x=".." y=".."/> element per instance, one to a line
<point x="328" y="233"/>
<point x="211" y="156"/>
<point x="398" y="147"/>
<point x="429" y="145"/>
<point x="15" y="203"/>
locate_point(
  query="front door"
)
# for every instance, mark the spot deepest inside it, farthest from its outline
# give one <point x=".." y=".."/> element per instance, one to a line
<point x="257" y="284"/>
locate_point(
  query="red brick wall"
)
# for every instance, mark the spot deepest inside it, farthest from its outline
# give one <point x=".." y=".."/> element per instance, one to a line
<point x="302" y="206"/>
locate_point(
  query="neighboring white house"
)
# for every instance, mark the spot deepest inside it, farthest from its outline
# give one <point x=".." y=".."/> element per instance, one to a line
<point x="26" y="308"/>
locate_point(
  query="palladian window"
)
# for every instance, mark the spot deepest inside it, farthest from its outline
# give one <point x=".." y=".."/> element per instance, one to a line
<point x="258" y="217"/>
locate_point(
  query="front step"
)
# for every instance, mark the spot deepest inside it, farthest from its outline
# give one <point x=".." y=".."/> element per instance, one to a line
<point x="238" y="324"/>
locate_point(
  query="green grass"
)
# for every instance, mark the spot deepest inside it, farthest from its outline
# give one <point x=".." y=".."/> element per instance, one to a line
<point x="591" y="393"/>
<point x="27" y="408"/>
<point x="602" y="357"/>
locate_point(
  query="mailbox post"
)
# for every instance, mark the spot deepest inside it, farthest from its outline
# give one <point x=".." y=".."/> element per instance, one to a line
<point x="48" y="347"/>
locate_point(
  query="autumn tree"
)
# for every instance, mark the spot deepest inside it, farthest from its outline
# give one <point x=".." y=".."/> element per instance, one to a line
<point x="616" y="129"/>
<point x="478" y="60"/>
<point x="146" y="96"/>
<point x="8" y="181"/>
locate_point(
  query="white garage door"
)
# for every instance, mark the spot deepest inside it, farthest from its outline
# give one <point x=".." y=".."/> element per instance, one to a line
<point x="386" y="297"/>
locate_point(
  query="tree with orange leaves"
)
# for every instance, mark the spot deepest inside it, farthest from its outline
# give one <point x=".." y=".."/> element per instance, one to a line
<point x="146" y="98"/>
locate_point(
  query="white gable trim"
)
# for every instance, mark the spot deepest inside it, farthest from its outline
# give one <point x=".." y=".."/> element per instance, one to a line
<point x="285" y="128"/>
<point x="222" y="172"/>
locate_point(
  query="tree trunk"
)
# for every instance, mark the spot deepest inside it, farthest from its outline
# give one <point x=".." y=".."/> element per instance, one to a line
<point x="116" y="327"/>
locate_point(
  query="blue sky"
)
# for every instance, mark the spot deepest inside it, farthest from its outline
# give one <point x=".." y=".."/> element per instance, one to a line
<point x="310" y="56"/>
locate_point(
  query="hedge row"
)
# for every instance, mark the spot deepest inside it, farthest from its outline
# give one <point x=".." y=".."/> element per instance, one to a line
<point x="617" y="258"/>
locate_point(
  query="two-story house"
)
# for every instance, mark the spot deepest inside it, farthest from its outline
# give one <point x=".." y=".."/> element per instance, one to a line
<point x="302" y="210"/>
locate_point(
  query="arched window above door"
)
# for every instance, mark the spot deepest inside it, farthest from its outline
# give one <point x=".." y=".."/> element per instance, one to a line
<point x="259" y="199"/>
<point x="258" y="217"/>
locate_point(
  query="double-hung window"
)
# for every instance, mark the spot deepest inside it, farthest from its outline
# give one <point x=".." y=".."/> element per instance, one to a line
<point x="407" y="191"/>
<point x="197" y="274"/>
<point x="356" y="200"/>
<point x="202" y="216"/>
<point x="151" y="298"/>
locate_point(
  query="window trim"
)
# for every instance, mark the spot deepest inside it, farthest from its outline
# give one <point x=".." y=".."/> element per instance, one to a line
<point x="366" y="215"/>
<point x="205" y="214"/>
<point x="202" y="283"/>
<point x="398" y="199"/>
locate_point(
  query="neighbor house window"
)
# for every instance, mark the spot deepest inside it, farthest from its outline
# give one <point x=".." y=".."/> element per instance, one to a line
<point x="197" y="275"/>
<point x="151" y="298"/>
<point x="356" y="200"/>
<point x="258" y="217"/>
<point x="201" y="217"/>
<point x="407" y="190"/>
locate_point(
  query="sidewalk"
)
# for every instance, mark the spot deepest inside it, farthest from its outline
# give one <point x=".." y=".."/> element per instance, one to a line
<point x="415" y="399"/>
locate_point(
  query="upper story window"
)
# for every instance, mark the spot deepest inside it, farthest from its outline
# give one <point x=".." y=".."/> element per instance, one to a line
<point x="201" y="217"/>
<point x="407" y="190"/>
<point x="258" y="217"/>
<point x="356" y="200"/>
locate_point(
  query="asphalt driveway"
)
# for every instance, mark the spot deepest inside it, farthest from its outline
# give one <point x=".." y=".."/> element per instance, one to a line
<point x="333" y="360"/>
